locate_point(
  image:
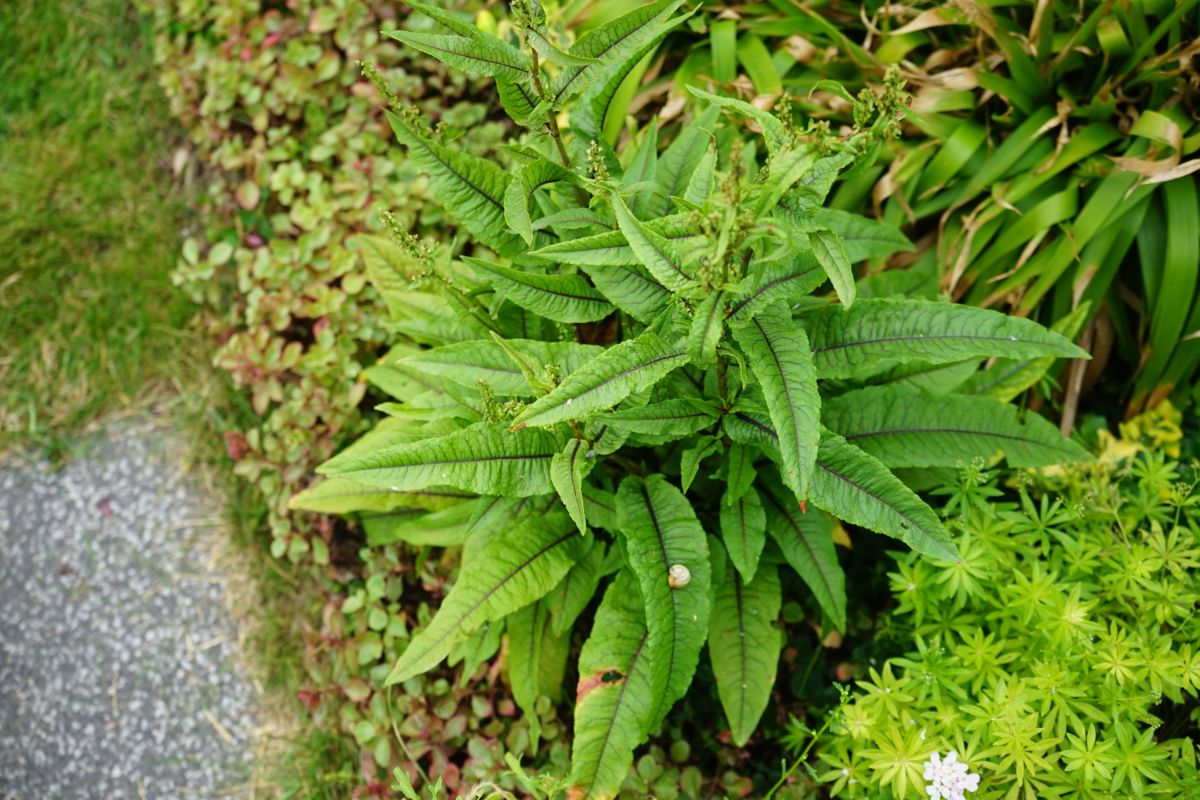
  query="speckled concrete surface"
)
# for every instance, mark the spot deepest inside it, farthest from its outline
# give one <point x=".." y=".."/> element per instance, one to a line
<point x="118" y="670"/>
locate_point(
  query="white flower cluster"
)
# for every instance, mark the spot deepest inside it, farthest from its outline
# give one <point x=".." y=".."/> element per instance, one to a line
<point x="948" y="779"/>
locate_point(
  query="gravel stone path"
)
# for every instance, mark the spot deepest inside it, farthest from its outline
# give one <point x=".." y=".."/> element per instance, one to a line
<point x="118" y="671"/>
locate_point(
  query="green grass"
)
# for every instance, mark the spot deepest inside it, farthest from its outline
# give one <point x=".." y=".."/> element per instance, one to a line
<point x="90" y="215"/>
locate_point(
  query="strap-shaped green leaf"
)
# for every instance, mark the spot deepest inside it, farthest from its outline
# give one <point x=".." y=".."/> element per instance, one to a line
<point x="708" y="326"/>
<point x="700" y="183"/>
<point x="632" y="289"/>
<point x="536" y="660"/>
<point x="805" y="537"/>
<point x="778" y="282"/>
<point x="621" y="370"/>
<point x="611" y="248"/>
<point x="567" y="471"/>
<point x="675" y="418"/>
<point x="738" y="471"/>
<point x="777" y="351"/>
<point x="573" y="593"/>
<point x="662" y="531"/>
<point x="614" y="699"/>
<point x="744" y="531"/>
<point x="445" y="528"/>
<point x="470" y="188"/>
<point x="484" y="458"/>
<point x="467" y="363"/>
<point x="906" y="427"/>
<point x="562" y="298"/>
<point x="830" y="254"/>
<point x="613" y="43"/>
<point x="517" y="567"/>
<point x="860" y="236"/>
<point x="660" y="255"/>
<point x="683" y="157"/>
<point x="342" y="496"/>
<point x="878" y="333"/>
<point x="639" y="175"/>
<point x="744" y="646"/>
<point x="857" y="488"/>
<point x="481" y="55"/>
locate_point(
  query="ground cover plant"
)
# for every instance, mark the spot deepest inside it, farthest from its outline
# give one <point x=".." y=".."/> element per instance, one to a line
<point x="1061" y="657"/>
<point x="634" y="354"/>
<point x="89" y="217"/>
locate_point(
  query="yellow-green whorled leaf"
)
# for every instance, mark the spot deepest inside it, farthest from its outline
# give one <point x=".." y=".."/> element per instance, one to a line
<point x="562" y="298"/>
<point x="612" y="44"/>
<point x="518" y="566"/>
<point x="614" y="699"/>
<point x="830" y="254"/>
<point x="778" y="353"/>
<point x="467" y="363"/>
<point x="568" y="468"/>
<point x="674" y="418"/>
<point x="631" y="288"/>
<point x="631" y="366"/>
<point x="485" y="458"/>
<point x="660" y="255"/>
<point x="862" y="237"/>
<point x="876" y="334"/>
<point x="470" y="188"/>
<point x="343" y="496"/>
<point x="480" y="56"/>
<point x="856" y="487"/>
<point x="744" y="531"/>
<point x="708" y="326"/>
<point x="907" y="427"/>
<point x="776" y="283"/>
<point x="519" y="194"/>
<point x="661" y="531"/>
<point x="573" y="593"/>
<point x="744" y="646"/>
<point x="445" y="528"/>
<point x="805" y="537"/>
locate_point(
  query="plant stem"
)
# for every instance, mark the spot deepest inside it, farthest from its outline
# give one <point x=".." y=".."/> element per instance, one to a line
<point x="552" y="121"/>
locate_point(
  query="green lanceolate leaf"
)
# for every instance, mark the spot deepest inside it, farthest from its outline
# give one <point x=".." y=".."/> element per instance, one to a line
<point x="744" y="646"/>
<point x="621" y="370"/>
<point x="708" y="325"/>
<point x="631" y="289"/>
<point x="830" y="254"/>
<point x="639" y="175"/>
<point x="662" y="531"/>
<point x="519" y="194"/>
<point x="612" y="44"/>
<point x="777" y="351"/>
<point x="657" y="253"/>
<point x="906" y="427"/>
<point x="567" y="471"/>
<point x="475" y="649"/>
<point x="467" y="363"/>
<point x="805" y="537"/>
<point x="484" y="458"/>
<point x="536" y="659"/>
<point x="739" y="472"/>
<point x="673" y="418"/>
<point x="573" y="593"/>
<point x="778" y="282"/>
<point x="857" y="488"/>
<point x="470" y="188"/>
<point x="875" y="334"/>
<point x="517" y="567"/>
<point x="454" y="22"/>
<point x="521" y="103"/>
<point x="700" y="183"/>
<point x="860" y="236"/>
<point x="342" y="496"/>
<point x="691" y="458"/>
<point x="611" y="248"/>
<point x="773" y="129"/>
<point x="744" y="531"/>
<point x="481" y="55"/>
<point x="445" y="528"/>
<point x="552" y="53"/>
<point x="562" y="298"/>
<point x="614" y="700"/>
<point x="684" y="157"/>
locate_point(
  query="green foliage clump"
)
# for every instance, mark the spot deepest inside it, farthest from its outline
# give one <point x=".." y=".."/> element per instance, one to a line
<point x="1059" y="658"/>
<point x="638" y="353"/>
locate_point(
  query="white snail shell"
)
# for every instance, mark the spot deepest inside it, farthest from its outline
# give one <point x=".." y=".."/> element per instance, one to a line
<point x="678" y="576"/>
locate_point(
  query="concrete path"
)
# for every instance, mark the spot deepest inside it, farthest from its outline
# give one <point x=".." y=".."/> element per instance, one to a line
<point x="118" y="672"/>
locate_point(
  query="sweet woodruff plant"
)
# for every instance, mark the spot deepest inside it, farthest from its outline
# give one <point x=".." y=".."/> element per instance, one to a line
<point x="638" y="386"/>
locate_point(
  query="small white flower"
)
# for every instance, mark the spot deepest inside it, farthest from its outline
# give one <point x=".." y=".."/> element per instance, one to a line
<point x="948" y="779"/>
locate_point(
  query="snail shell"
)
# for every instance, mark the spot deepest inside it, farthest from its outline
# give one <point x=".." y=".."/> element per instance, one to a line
<point x="678" y="576"/>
